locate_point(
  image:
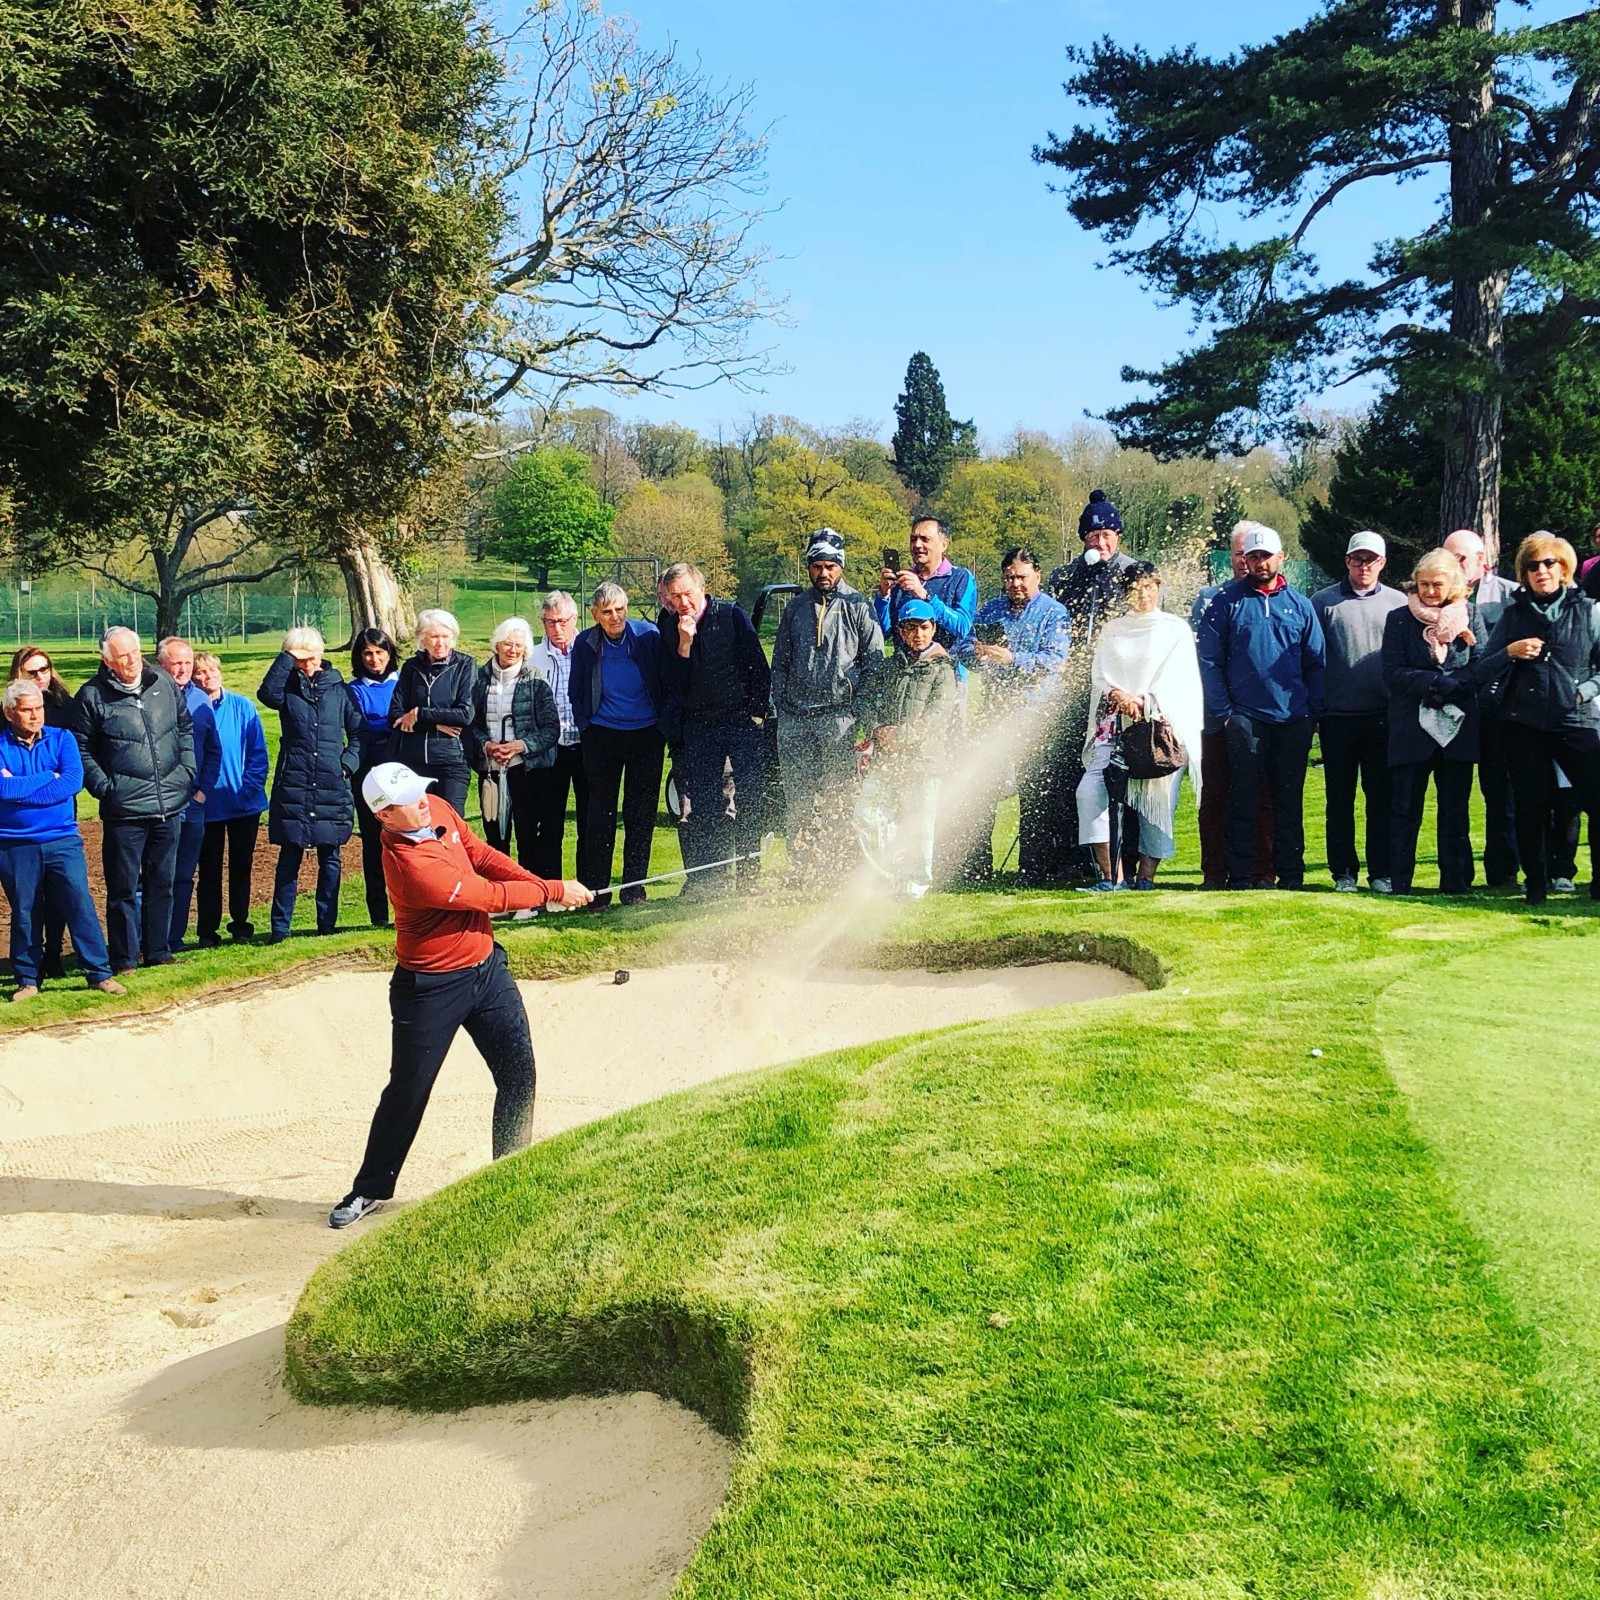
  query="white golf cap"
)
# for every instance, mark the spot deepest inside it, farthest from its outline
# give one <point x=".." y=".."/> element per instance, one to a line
<point x="1259" y="539"/>
<point x="393" y="783"/>
<point x="1367" y="540"/>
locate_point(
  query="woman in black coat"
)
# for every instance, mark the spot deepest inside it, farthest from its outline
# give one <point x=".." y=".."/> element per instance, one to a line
<point x="432" y="709"/>
<point x="319" y="749"/>
<point x="1543" y="668"/>
<point x="1429" y="647"/>
<point x="517" y="726"/>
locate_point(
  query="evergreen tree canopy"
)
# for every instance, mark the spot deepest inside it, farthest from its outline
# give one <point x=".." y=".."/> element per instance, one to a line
<point x="925" y="439"/>
<point x="1386" y="473"/>
<point x="1280" y="133"/>
<point x="239" y="255"/>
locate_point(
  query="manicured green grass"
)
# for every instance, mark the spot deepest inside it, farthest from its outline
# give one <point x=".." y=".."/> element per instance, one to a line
<point x="1496" y="1050"/>
<point x="1140" y="1298"/>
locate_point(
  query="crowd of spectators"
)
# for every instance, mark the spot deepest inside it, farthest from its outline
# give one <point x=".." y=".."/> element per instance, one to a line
<point x="889" y="722"/>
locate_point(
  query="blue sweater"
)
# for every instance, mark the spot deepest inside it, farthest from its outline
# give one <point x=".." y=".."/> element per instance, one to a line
<point x="1260" y="654"/>
<point x="36" y="801"/>
<point x="372" y="697"/>
<point x="206" y="753"/>
<point x="240" y="789"/>
<point x="638" y="705"/>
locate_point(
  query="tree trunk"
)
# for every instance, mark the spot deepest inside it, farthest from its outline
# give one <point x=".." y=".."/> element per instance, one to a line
<point x="378" y="598"/>
<point x="1470" y="495"/>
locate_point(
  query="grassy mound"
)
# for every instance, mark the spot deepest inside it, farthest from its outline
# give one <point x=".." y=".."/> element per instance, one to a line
<point x="1138" y="1298"/>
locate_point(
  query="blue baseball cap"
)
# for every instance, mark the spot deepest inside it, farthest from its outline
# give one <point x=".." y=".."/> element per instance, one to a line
<point x="915" y="610"/>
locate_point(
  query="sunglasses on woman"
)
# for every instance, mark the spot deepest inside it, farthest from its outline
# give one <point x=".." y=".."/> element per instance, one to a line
<point x="1544" y="561"/>
<point x="38" y="672"/>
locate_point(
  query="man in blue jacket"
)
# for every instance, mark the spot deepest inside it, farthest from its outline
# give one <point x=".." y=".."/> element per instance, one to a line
<point x="951" y="591"/>
<point x="41" y="773"/>
<point x="176" y="658"/>
<point x="1262" y="660"/>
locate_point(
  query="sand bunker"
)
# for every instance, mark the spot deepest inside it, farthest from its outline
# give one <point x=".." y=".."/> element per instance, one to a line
<point x="164" y="1187"/>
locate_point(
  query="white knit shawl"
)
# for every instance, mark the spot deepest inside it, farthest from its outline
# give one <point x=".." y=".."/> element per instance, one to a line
<point x="1152" y="653"/>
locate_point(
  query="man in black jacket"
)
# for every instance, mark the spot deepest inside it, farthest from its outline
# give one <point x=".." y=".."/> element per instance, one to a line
<point x="716" y="685"/>
<point x="137" y="741"/>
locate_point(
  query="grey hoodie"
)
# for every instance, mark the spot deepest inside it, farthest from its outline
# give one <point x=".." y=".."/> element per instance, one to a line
<point x="828" y="650"/>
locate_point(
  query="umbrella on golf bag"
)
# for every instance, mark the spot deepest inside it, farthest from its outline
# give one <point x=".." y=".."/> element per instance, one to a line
<point x="496" y="796"/>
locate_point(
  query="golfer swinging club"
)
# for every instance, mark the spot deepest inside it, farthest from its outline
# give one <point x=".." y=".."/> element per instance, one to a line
<point x="444" y="883"/>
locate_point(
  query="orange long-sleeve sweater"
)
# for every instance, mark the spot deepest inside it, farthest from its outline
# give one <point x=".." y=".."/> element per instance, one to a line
<point x="444" y="889"/>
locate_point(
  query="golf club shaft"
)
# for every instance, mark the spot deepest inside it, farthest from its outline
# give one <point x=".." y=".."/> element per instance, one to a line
<point x="682" y="872"/>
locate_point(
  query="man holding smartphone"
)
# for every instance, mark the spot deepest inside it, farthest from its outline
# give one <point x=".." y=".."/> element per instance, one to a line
<point x="951" y="591"/>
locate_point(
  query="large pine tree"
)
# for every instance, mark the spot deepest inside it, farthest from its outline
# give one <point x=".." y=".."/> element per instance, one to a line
<point x="926" y="441"/>
<point x="1270" y="138"/>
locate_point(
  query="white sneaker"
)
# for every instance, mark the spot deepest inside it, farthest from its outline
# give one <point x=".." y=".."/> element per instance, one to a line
<point x="352" y="1209"/>
<point x="1382" y="886"/>
<point x="915" y="891"/>
<point x="1345" y="885"/>
<point x="1563" y="886"/>
<point x="526" y="914"/>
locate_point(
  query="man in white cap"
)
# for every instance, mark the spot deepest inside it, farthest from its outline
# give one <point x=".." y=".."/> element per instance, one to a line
<point x="1355" y="712"/>
<point x="827" y="653"/>
<point x="1261" y="663"/>
<point x="444" y="884"/>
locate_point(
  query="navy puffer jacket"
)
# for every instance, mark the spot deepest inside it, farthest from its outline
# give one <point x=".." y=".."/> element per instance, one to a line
<point x="319" y="748"/>
<point x="138" y="749"/>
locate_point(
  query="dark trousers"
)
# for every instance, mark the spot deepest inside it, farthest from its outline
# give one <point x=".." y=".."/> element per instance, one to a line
<point x="1217" y="786"/>
<point x="1531" y="756"/>
<point x="1501" y="862"/>
<point x="286" y="886"/>
<point x="50" y="875"/>
<point x="1276" y="752"/>
<point x="519" y="825"/>
<point x="371" y="856"/>
<point x="138" y="857"/>
<point x="708" y="833"/>
<point x="237" y="836"/>
<point x="1356" y="748"/>
<point x="626" y="760"/>
<point x="1565" y="831"/>
<point x="1452" y="781"/>
<point x="427" y="1009"/>
<point x="548" y="788"/>
<point x="191" y="838"/>
<point x="451" y="783"/>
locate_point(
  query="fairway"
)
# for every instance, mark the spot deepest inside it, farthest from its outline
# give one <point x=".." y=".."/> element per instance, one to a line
<point x="1172" y="1300"/>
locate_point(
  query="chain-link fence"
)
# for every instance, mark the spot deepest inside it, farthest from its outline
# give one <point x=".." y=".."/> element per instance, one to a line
<point x="236" y="613"/>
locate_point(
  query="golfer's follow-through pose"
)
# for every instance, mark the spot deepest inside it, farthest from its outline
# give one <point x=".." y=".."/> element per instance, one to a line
<point x="444" y="883"/>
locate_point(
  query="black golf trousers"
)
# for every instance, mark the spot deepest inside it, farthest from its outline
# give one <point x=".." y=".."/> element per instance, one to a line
<point x="427" y="1008"/>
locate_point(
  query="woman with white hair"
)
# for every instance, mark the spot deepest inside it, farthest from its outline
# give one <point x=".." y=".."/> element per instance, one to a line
<point x="516" y="723"/>
<point x="432" y="709"/>
<point x="318" y="749"/>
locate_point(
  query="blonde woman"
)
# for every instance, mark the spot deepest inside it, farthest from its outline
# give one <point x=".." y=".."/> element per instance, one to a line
<point x="319" y="748"/>
<point x="1543" y="662"/>
<point x="1430" y="646"/>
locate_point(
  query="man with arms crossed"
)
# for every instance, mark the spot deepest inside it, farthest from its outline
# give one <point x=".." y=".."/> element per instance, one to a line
<point x="444" y="884"/>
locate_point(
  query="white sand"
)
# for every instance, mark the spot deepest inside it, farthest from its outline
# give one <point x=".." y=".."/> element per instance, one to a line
<point x="164" y="1187"/>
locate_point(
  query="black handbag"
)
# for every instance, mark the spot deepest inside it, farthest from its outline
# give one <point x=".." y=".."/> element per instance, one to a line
<point x="1150" y="747"/>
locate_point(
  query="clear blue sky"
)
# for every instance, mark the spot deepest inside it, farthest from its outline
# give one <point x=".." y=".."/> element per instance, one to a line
<point x="913" y="216"/>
